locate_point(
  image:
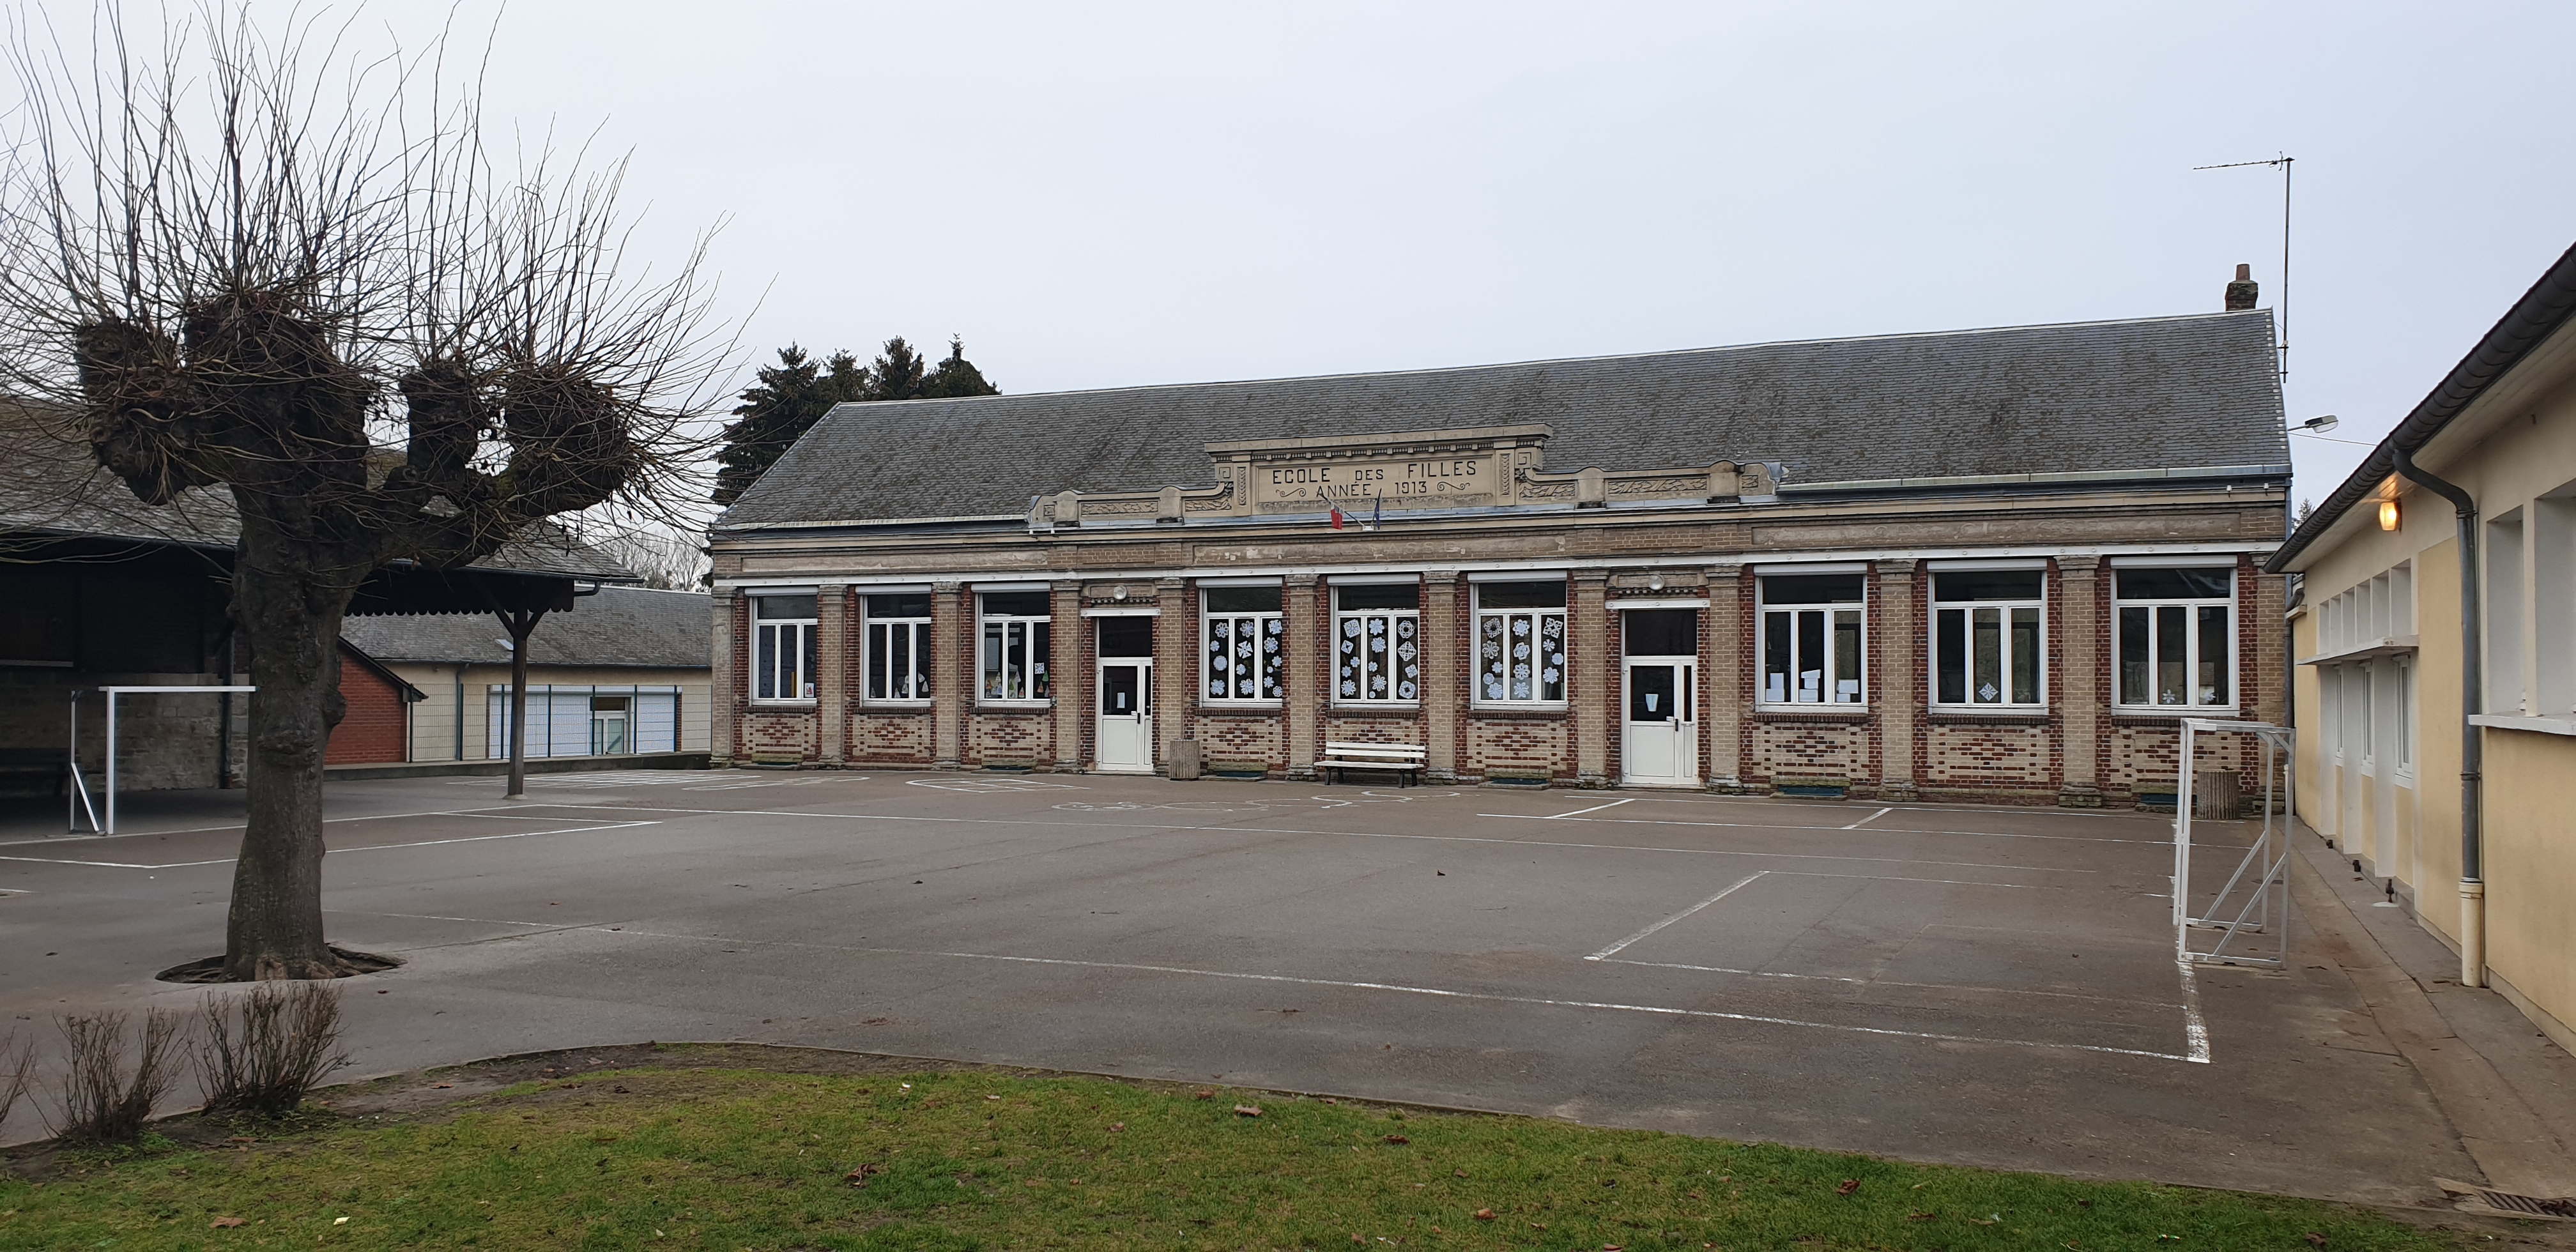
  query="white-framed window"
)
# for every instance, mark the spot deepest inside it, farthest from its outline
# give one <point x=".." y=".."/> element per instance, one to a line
<point x="1377" y="645"/>
<point x="2176" y="636"/>
<point x="1015" y="627"/>
<point x="1990" y="639"/>
<point x="1246" y="644"/>
<point x="1814" y="640"/>
<point x="782" y="647"/>
<point x="1520" y="642"/>
<point x="898" y="647"/>
<point x="2405" y="728"/>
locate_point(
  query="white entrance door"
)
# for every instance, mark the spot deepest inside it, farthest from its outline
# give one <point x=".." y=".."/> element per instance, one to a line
<point x="1659" y="742"/>
<point x="1127" y="716"/>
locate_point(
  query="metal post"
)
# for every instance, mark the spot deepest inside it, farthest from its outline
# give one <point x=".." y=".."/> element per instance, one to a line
<point x="111" y="761"/>
<point x="71" y="764"/>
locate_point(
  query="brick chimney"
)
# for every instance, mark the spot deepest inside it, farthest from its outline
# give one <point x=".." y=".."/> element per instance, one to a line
<point x="2241" y="293"/>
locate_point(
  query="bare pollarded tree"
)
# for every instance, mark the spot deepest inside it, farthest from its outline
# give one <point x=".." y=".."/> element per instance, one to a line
<point x="254" y="261"/>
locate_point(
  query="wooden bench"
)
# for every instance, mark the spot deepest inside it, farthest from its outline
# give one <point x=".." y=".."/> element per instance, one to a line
<point x="1400" y="759"/>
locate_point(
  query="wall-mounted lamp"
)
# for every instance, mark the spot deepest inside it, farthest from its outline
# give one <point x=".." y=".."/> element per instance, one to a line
<point x="1655" y="583"/>
<point x="2388" y="515"/>
<point x="1118" y="592"/>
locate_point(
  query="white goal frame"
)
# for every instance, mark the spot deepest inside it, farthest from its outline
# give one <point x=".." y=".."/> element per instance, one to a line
<point x="79" y="798"/>
<point x="2252" y="911"/>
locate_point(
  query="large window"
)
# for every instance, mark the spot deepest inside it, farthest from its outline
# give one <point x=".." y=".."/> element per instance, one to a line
<point x="1812" y="640"/>
<point x="1988" y="642"/>
<point x="1520" y="642"/>
<point x="782" y="647"/>
<point x="898" y="647"/>
<point x="2177" y="629"/>
<point x="1016" y="625"/>
<point x="1245" y="634"/>
<point x="1377" y="652"/>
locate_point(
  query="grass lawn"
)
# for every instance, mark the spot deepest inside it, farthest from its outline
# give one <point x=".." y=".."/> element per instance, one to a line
<point x="732" y="1159"/>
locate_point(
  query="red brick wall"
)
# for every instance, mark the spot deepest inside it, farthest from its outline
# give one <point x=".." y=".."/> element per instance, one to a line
<point x="376" y="731"/>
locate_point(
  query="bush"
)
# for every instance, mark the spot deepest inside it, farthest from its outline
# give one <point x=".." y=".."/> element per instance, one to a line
<point x="17" y="1072"/>
<point x="265" y="1050"/>
<point x="102" y="1100"/>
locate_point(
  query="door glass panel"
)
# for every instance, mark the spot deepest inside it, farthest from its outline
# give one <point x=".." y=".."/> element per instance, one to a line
<point x="1650" y="693"/>
<point x="1119" y="691"/>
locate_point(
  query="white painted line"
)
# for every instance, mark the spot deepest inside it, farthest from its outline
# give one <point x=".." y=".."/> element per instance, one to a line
<point x="199" y="830"/>
<point x="2195" y="1031"/>
<point x="1205" y="828"/>
<point x="1883" y="982"/>
<point x="375" y="847"/>
<point x="1555" y="817"/>
<point x="1886" y="830"/>
<point x="1871" y="818"/>
<point x="1442" y="992"/>
<point x="1613" y="949"/>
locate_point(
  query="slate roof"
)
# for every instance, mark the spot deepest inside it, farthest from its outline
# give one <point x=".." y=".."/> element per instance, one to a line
<point x="50" y="485"/>
<point x="2154" y="393"/>
<point x="621" y="626"/>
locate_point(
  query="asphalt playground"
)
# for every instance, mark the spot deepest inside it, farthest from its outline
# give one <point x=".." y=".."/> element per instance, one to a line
<point x="1989" y="986"/>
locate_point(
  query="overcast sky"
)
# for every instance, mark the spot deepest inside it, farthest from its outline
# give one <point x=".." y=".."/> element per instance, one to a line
<point x="1107" y="194"/>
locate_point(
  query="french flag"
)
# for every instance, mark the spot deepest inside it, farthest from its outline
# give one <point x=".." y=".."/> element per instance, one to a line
<point x="1337" y="517"/>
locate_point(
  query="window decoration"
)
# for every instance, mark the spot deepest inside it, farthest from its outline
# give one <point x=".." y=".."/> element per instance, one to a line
<point x="1812" y="640"/>
<point x="782" y="647"/>
<point x="1377" y="649"/>
<point x="898" y="647"/>
<point x="2177" y="629"/>
<point x="1245" y="638"/>
<point x="1520" y="642"/>
<point x="1016" y="629"/>
<point x="1988" y="638"/>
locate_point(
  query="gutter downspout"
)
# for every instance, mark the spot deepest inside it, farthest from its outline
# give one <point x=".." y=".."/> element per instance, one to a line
<point x="2473" y="886"/>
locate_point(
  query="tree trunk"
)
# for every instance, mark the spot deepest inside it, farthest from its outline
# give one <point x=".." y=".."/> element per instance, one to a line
<point x="290" y="612"/>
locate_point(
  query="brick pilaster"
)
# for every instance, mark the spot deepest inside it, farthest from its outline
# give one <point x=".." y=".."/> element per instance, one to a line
<point x="1899" y="697"/>
<point x="1072" y="674"/>
<point x="1725" y="658"/>
<point x="1175" y="654"/>
<point x="1592" y="682"/>
<point x="1301" y="686"/>
<point x="952" y="677"/>
<point x="724" y="690"/>
<point x="1438" y="635"/>
<point x="2079" y="690"/>
<point x="832" y="675"/>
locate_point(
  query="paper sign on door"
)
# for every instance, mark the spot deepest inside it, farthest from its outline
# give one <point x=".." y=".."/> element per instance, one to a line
<point x="1650" y="701"/>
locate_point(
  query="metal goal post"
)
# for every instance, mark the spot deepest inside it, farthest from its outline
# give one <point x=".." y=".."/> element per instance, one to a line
<point x="79" y="798"/>
<point x="2247" y="921"/>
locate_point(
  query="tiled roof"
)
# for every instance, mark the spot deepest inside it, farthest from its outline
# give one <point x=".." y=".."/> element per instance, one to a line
<point x="620" y="626"/>
<point x="2156" y="393"/>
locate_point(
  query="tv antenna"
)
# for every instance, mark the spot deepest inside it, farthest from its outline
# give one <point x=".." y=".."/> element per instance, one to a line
<point x="2282" y="163"/>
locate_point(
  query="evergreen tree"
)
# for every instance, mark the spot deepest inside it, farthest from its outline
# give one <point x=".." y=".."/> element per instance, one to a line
<point x="787" y="400"/>
<point x="795" y="393"/>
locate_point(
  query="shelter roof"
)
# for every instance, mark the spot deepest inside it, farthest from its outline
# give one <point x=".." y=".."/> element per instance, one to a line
<point x="620" y="626"/>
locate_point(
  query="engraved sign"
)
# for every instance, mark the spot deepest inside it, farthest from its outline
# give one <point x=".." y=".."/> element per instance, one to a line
<point x="1446" y="469"/>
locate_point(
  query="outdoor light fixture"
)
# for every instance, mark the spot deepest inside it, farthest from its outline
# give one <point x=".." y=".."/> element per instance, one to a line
<point x="2318" y="425"/>
<point x="1118" y="592"/>
<point x="2388" y="515"/>
<point x="1655" y="583"/>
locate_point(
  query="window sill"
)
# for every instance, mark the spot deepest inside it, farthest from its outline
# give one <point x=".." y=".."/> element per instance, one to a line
<point x="777" y="706"/>
<point x="2537" y="725"/>
<point x="1817" y="712"/>
<point x="1013" y="706"/>
<point x="1365" y="710"/>
<point x="1260" y="708"/>
<point x="2168" y="715"/>
<point x="894" y="706"/>
<point x="1518" y="710"/>
<point x="2022" y="715"/>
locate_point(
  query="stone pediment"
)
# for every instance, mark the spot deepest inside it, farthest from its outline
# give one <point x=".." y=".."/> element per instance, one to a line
<point x="1469" y="468"/>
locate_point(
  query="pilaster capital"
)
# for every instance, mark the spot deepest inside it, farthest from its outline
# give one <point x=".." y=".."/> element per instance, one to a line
<point x="1593" y="577"/>
<point x="1894" y="569"/>
<point x="2084" y="565"/>
<point x="1303" y="580"/>
<point x="1730" y="571"/>
<point x="1440" y="576"/>
<point x="949" y="588"/>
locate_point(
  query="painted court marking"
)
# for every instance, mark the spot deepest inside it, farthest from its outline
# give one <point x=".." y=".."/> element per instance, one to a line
<point x="1613" y="949"/>
<point x="373" y="847"/>
<point x="1395" y="988"/>
<point x="1871" y="818"/>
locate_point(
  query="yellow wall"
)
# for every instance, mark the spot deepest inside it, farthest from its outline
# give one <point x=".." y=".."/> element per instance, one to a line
<point x="2437" y="718"/>
<point x="2531" y="866"/>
